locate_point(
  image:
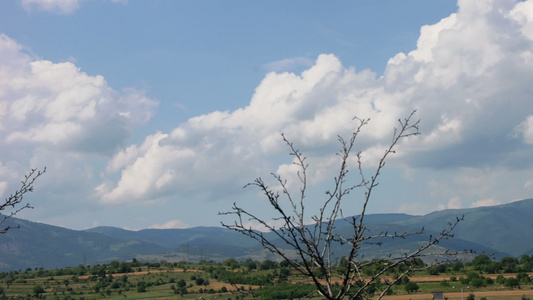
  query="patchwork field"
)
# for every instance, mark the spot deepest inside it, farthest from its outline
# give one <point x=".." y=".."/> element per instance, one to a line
<point x="253" y="280"/>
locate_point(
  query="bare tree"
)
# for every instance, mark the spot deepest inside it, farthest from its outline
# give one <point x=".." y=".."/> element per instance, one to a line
<point x="14" y="202"/>
<point x="309" y="248"/>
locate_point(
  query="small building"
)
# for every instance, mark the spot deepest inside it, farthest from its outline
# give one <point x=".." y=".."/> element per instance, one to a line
<point x="438" y="295"/>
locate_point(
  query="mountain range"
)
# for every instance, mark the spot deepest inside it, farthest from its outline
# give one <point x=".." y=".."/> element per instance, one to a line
<point x="502" y="230"/>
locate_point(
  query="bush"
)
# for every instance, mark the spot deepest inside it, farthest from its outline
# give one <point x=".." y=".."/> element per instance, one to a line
<point x="500" y="279"/>
<point x="477" y="282"/>
<point x="181" y="283"/>
<point x="38" y="290"/>
<point x="183" y="291"/>
<point x="457" y="266"/>
<point x="511" y="282"/>
<point x="523" y="277"/>
<point x="285" y="291"/>
<point x="141" y="287"/>
<point x="411" y="287"/>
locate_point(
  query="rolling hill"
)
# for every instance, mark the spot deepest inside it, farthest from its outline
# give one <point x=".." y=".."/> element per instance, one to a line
<point x="504" y="230"/>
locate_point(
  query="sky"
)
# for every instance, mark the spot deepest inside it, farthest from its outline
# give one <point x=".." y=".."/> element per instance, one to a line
<point x="155" y="114"/>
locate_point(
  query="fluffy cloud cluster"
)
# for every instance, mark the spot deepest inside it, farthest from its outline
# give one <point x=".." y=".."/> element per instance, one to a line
<point x="54" y="115"/>
<point x="221" y="151"/>
<point x="469" y="78"/>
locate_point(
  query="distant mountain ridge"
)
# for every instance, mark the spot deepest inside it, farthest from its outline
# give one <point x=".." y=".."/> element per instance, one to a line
<point x="504" y="230"/>
<point x="177" y="237"/>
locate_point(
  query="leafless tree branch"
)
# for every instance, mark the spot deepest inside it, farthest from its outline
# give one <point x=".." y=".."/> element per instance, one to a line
<point x="309" y="248"/>
<point x="13" y="202"/>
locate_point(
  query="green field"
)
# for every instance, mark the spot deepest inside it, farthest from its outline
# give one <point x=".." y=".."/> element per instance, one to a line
<point x="252" y="279"/>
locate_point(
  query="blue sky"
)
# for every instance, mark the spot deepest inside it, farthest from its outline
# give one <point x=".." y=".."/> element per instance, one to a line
<point x="156" y="113"/>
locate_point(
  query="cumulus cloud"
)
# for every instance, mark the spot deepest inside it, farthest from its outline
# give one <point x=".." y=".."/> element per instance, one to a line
<point x="55" y="115"/>
<point x="219" y="152"/>
<point x="469" y="78"/>
<point x="523" y="14"/>
<point x="288" y="64"/>
<point x="58" y="105"/>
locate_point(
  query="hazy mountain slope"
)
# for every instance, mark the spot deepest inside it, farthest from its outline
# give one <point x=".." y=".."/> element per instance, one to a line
<point x="177" y="237"/>
<point x="399" y="246"/>
<point x="114" y="232"/>
<point x="386" y="218"/>
<point x="503" y="230"/>
<point x="40" y="245"/>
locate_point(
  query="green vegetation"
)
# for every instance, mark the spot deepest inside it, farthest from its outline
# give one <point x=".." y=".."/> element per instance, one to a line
<point x="411" y="287"/>
<point x="239" y="280"/>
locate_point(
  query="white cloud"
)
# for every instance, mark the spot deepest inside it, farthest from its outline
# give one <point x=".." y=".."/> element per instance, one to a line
<point x="428" y="40"/>
<point x="60" y="6"/>
<point x="150" y="174"/>
<point x="57" y="104"/>
<point x="485" y="202"/>
<point x="526" y="130"/>
<point x="528" y="184"/>
<point x="454" y="203"/>
<point x="3" y="188"/>
<point x="471" y="187"/>
<point x="173" y="224"/>
<point x="55" y="115"/>
<point x="288" y="64"/>
<point x="468" y="78"/>
<point x="219" y="152"/>
<point x="523" y="13"/>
